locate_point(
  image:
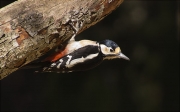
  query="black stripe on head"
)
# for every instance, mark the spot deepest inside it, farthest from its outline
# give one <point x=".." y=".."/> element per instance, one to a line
<point x="109" y="43"/>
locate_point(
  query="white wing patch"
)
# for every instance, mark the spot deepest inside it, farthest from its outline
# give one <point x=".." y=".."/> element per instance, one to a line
<point x="58" y="66"/>
<point x="53" y="64"/>
<point x="80" y="60"/>
<point x="68" y="61"/>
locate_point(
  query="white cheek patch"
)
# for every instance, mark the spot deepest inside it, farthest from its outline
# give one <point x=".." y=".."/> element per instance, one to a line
<point x="108" y="54"/>
<point x="104" y="49"/>
<point x="80" y="60"/>
<point x="117" y="50"/>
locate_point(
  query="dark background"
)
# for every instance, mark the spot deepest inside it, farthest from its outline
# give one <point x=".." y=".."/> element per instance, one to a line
<point x="147" y="32"/>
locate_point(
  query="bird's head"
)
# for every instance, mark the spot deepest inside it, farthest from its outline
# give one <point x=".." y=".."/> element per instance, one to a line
<point x="111" y="50"/>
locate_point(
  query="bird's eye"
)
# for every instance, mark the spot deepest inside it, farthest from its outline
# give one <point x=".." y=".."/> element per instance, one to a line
<point x="111" y="50"/>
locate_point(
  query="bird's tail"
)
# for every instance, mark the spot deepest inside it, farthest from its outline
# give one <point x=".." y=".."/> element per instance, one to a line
<point x="37" y="67"/>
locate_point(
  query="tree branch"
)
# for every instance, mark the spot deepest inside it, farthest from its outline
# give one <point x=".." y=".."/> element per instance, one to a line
<point x="30" y="28"/>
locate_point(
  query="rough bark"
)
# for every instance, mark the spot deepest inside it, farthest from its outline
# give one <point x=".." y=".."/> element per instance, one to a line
<point x="30" y="28"/>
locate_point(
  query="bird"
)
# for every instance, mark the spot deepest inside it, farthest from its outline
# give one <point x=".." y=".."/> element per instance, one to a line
<point x="81" y="55"/>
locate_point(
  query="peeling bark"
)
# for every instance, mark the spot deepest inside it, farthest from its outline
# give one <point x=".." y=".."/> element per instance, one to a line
<point x="30" y="28"/>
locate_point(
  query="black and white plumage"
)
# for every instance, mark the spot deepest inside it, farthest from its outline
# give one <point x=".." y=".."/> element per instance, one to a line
<point x="79" y="55"/>
<point x="82" y="55"/>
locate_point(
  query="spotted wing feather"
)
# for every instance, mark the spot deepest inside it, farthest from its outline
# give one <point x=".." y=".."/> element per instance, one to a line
<point x="82" y="59"/>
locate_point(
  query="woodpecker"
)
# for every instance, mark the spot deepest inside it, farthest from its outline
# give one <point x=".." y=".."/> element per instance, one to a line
<point x="82" y="55"/>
